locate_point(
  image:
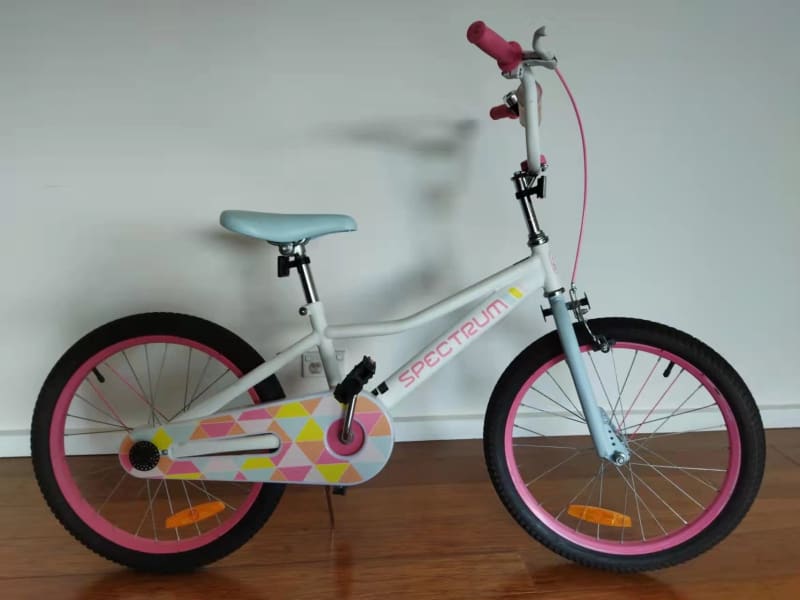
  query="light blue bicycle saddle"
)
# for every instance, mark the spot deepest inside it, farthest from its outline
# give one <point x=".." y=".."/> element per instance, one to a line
<point x="277" y="228"/>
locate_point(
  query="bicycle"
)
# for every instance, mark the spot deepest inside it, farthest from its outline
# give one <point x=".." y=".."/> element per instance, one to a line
<point x="164" y="441"/>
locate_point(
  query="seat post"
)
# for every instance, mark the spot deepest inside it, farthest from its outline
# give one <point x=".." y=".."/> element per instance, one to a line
<point x="298" y="250"/>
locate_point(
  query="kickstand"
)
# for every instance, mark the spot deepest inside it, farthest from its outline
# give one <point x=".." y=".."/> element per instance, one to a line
<point x="329" y="501"/>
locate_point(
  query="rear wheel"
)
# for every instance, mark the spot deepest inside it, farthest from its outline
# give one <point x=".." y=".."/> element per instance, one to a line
<point x="692" y="429"/>
<point x="138" y="371"/>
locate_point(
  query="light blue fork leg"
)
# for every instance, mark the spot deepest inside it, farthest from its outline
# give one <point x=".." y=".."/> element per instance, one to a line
<point x="606" y="441"/>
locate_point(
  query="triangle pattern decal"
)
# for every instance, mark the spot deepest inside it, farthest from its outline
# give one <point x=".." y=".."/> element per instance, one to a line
<point x="278" y="430"/>
<point x="236" y="430"/>
<point x="351" y="475"/>
<point x="311" y="449"/>
<point x="381" y="427"/>
<point x="254" y="414"/>
<point x="291" y="409"/>
<point x="295" y="473"/>
<point x="368" y="420"/>
<point x="326" y="458"/>
<point x="293" y="426"/>
<point x="311" y="432"/>
<point x="332" y="473"/>
<point x="199" y="434"/>
<point x="216" y="430"/>
<point x="311" y="405"/>
<point x="294" y="457"/>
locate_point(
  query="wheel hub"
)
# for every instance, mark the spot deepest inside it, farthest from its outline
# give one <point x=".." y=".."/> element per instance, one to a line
<point x="144" y="456"/>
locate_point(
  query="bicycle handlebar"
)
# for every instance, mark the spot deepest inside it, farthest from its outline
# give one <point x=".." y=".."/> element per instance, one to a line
<point x="501" y="111"/>
<point x="507" y="54"/>
<point x="509" y="57"/>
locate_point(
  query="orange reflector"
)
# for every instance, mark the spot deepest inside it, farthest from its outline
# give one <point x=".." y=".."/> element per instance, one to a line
<point x="601" y="516"/>
<point x="192" y="515"/>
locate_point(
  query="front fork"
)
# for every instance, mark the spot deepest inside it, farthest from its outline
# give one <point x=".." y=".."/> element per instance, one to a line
<point x="607" y="442"/>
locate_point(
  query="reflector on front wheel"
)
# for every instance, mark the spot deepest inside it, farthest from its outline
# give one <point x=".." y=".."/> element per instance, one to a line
<point x="600" y="516"/>
<point x="190" y="516"/>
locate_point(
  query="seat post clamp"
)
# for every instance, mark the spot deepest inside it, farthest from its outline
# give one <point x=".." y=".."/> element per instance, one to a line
<point x="286" y="263"/>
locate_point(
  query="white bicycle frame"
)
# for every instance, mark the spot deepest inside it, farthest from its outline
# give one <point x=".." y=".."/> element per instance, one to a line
<point x="494" y="298"/>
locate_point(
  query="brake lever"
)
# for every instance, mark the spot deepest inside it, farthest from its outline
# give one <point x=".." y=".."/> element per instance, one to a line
<point x="537" y="49"/>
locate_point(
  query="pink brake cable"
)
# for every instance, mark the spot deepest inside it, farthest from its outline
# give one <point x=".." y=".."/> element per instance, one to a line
<point x="585" y="173"/>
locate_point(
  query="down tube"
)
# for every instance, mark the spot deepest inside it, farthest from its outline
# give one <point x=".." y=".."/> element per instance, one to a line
<point x="453" y="340"/>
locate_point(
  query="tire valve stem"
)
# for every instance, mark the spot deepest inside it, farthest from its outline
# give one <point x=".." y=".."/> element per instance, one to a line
<point x="99" y="375"/>
<point x="668" y="370"/>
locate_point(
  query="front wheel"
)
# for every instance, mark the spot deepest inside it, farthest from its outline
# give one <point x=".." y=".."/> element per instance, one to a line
<point x="691" y="427"/>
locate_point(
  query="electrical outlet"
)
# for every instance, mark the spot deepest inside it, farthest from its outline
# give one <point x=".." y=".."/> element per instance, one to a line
<point x="311" y="363"/>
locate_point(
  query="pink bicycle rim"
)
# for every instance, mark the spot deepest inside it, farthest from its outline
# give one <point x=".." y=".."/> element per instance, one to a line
<point x="649" y="546"/>
<point x="69" y="488"/>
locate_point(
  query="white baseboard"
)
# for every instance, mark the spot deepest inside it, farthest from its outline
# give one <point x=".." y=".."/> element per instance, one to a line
<point x="16" y="442"/>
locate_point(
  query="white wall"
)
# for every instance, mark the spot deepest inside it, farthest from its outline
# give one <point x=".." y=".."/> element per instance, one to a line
<point x="125" y="127"/>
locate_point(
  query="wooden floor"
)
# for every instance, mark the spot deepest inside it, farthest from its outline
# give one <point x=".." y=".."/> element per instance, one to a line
<point x="429" y="526"/>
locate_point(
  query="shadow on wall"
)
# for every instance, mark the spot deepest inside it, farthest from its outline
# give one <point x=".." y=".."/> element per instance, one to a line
<point x="426" y="162"/>
<point x="427" y="159"/>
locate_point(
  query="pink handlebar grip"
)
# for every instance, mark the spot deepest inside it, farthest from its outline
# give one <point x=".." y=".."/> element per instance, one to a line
<point x="507" y="54"/>
<point x="501" y="111"/>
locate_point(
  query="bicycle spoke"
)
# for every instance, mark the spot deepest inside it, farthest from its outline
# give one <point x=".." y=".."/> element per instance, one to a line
<point x="545" y="446"/>
<point x="666" y="391"/>
<point x="600" y="499"/>
<point x="131" y="388"/>
<point x="154" y="398"/>
<point x="191" y="507"/>
<point x="117" y="427"/>
<point x="135" y="376"/>
<point x="653" y="452"/>
<point x="105" y="401"/>
<point x="624" y="512"/>
<point x="150" y="509"/>
<point x="582" y="420"/>
<point x="575" y="497"/>
<point x="205" y="389"/>
<point x="647" y="464"/>
<point x="589" y="497"/>
<point x="149" y="378"/>
<point x="116" y="487"/>
<point x="636" y="497"/>
<point x="95" y="431"/>
<point x="171" y="510"/>
<point x="100" y="410"/>
<point x="194" y="485"/>
<point x="93" y="473"/>
<point x="686" y="412"/>
<point x="630" y="408"/>
<point x="652" y="491"/>
<point x="551" y="469"/>
<point x="186" y="386"/>
<point x="624" y="383"/>
<point x="548" y="412"/>
<point x="558" y="385"/>
<point x="202" y="375"/>
<point x="529" y="430"/>
<point x="661" y="436"/>
<point x="675" y="485"/>
<point x="680" y="406"/>
<point x="205" y="490"/>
